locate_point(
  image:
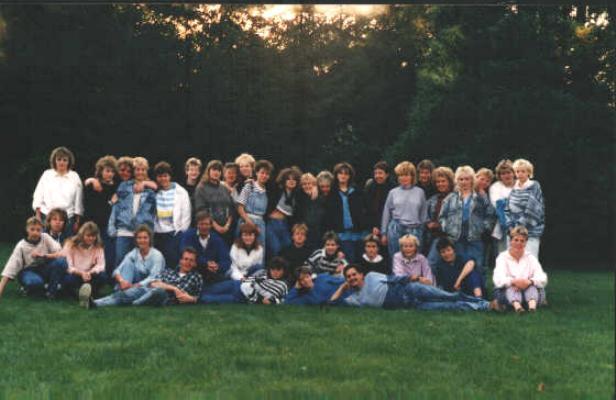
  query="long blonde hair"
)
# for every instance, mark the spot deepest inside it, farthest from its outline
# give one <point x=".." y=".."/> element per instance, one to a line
<point x="89" y="228"/>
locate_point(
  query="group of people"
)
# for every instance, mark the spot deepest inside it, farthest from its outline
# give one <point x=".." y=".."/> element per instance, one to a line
<point x="234" y="234"/>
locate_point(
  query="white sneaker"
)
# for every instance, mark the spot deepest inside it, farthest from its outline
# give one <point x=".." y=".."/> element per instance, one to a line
<point x="85" y="292"/>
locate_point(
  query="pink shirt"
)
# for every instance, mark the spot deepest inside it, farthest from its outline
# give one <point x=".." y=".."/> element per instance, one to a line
<point x="417" y="265"/>
<point x="86" y="260"/>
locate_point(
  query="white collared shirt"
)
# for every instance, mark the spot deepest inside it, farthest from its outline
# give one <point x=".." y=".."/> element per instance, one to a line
<point x="59" y="191"/>
<point x="527" y="267"/>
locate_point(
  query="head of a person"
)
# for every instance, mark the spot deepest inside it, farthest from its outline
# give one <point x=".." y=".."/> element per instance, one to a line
<point x="277" y="268"/>
<point x="288" y="178"/>
<point x="325" y="179"/>
<point x="87" y="236"/>
<point x="213" y="172"/>
<point x="354" y="276"/>
<point x="246" y="164"/>
<point x="192" y="168"/>
<point x="299" y="232"/>
<point x="140" y="168"/>
<point x="34" y="229"/>
<point x="263" y="170"/>
<point x="406" y="173"/>
<point x="483" y="179"/>
<point x="62" y="159"/>
<point x="523" y="170"/>
<point x="409" y="244"/>
<point x="163" y="174"/>
<point x="344" y="173"/>
<point x="143" y="237"/>
<point x="249" y="237"/>
<point x="465" y="178"/>
<point x="504" y="172"/>
<point x="188" y="259"/>
<point x="125" y="168"/>
<point x="204" y="223"/>
<point x="443" y="179"/>
<point x="303" y="276"/>
<point x="425" y="169"/>
<point x="380" y="172"/>
<point x="106" y="168"/>
<point x="371" y="246"/>
<point x="331" y="243"/>
<point x="56" y="220"/>
<point x="230" y="173"/>
<point x="518" y="237"/>
<point x="308" y="182"/>
<point x="446" y="249"/>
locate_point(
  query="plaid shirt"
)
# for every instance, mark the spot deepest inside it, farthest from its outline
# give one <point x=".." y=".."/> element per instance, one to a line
<point x="191" y="283"/>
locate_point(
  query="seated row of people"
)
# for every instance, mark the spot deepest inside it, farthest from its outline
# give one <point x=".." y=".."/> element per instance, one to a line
<point x="41" y="264"/>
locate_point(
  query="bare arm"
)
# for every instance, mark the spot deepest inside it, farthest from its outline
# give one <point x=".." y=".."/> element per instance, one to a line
<point x="3" y="283"/>
<point x="467" y="269"/>
<point x="343" y="288"/>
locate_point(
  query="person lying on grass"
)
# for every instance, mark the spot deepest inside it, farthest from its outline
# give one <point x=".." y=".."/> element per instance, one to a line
<point x="383" y="291"/>
<point x="311" y="289"/>
<point x="330" y="258"/>
<point x="518" y="276"/>
<point x="264" y="287"/>
<point x="29" y="262"/>
<point x="409" y="262"/>
<point x="456" y="272"/>
<point x="172" y="286"/>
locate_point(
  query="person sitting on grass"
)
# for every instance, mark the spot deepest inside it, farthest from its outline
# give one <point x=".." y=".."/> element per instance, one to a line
<point x="85" y="263"/>
<point x="382" y="291"/>
<point x="311" y="289"/>
<point x="29" y="262"/>
<point x="371" y="260"/>
<point x="142" y="264"/>
<point x="298" y="252"/>
<point x="55" y="223"/>
<point x="518" y="276"/>
<point x="264" y="287"/>
<point x="456" y="271"/>
<point x="212" y="252"/>
<point x="330" y="258"/>
<point x="172" y="286"/>
<point x="409" y="262"/>
<point x="246" y="253"/>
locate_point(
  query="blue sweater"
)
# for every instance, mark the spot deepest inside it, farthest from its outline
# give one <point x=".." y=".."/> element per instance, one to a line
<point x="325" y="285"/>
<point x="216" y="250"/>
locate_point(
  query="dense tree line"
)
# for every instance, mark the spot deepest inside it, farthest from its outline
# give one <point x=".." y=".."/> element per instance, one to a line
<point x="456" y="84"/>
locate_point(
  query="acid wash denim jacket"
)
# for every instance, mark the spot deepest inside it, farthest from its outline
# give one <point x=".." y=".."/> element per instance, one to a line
<point x="482" y="216"/>
<point x="122" y="211"/>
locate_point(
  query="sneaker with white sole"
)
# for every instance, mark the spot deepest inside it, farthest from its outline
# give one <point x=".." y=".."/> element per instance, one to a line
<point x="85" y="293"/>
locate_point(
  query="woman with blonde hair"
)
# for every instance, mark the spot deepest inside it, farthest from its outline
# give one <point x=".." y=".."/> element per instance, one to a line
<point x="466" y="215"/>
<point x="405" y="210"/>
<point x="60" y="187"/>
<point x="499" y="193"/>
<point x="525" y="205"/>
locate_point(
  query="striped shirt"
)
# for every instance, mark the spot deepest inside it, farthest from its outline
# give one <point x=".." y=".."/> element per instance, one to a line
<point x="165" y="200"/>
<point x="259" y="287"/>
<point x="321" y="262"/>
<point x="525" y="207"/>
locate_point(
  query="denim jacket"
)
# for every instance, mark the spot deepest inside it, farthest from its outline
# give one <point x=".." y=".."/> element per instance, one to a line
<point x="122" y="211"/>
<point x="482" y="218"/>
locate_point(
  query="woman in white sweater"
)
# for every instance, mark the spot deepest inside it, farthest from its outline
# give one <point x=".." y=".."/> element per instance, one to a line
<point x="518" y="276"/>
<point x="246" y="253"/>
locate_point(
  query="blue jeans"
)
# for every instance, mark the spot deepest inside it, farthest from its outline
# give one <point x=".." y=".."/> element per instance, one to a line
<point x="153" y="297"/>
<point x="260" y="223"/>
<point x="169" y="245"/>
<point x="352" y="249"/>
<point x="395" y="231"/>
<point x="278" y="236"/>
<point x="72" y="283"/>
<point x="123" y="245"/>
<point x="433" y="256"/>
<point x="110" y="252"/>
<point x="428" y="297"/>
<point x="121" y="297"/>
<point x="225" y="292"/>
<point x="474" y="250"/>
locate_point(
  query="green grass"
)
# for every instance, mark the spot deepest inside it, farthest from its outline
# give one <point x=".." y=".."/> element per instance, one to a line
<point x="55" y="349"/>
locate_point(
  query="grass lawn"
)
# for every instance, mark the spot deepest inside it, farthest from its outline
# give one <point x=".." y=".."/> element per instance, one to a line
<point x="56" y="349"/>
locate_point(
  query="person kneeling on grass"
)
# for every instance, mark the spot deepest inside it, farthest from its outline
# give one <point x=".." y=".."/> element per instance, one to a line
<point x="264" y="287"/>
<point x="311" y="289"/>
<point x="383" y="291"/>
<point x="518" y="276"/>
<point x="179" y="286"/>
<point x="456" y="271"/>
<point x="30" y="262"/>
